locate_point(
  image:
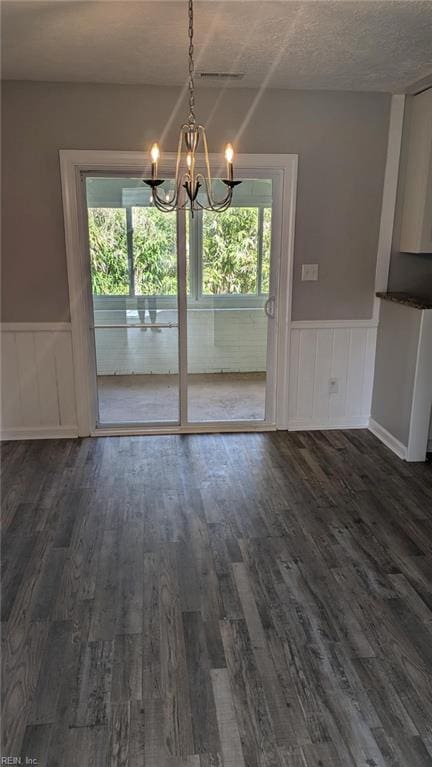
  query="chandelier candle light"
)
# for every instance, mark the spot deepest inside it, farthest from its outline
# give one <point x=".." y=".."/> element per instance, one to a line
<point x="188" y="181"/>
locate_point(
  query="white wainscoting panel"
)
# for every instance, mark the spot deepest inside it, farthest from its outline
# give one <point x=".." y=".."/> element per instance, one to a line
<point x="320" y="351"/>
<point x="37" y="381"/>
<point x="38" y="397"/>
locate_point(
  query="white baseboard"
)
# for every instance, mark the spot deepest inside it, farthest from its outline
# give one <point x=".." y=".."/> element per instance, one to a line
<point x="39" y="432"/>
<point x="388" y="439"/>
<point x="310" y="424"/>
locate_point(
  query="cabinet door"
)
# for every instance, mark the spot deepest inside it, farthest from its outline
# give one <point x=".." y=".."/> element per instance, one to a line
<point x="416" y="233"/>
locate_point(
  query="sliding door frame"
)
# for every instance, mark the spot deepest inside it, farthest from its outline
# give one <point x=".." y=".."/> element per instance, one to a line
<point x="74" y="164"/>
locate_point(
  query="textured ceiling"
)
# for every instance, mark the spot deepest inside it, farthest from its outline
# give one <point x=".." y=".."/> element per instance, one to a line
<point x="374" y="45"/>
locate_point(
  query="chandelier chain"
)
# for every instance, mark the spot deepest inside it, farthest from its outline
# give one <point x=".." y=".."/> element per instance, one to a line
<point x="191" y="66"/>
<point x="192" y="187"/>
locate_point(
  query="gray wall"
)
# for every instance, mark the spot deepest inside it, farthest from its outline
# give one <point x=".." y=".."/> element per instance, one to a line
<point x="396" y="355"/>
<point x="409" y="272"/>
<point x="341" y="140"/>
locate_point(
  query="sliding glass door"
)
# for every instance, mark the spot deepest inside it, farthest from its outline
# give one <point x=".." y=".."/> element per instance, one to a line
<point x="228" y="307"/>
<point x="133" y="263"/>
<point x="183" y="307"/>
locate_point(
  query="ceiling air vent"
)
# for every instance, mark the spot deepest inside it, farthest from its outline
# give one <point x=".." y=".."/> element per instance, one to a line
<point x="220" y="75"/>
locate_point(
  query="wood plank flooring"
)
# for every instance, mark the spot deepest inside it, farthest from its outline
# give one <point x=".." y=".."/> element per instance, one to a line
<point x="243" y="600"/>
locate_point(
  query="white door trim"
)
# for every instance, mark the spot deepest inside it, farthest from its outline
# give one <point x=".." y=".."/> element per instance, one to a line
<point x="182" y="318"/>
<point x="72" y="164"/>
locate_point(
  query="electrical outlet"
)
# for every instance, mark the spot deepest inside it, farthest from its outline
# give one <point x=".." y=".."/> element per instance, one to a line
<point x="309" y="272"/>
<point x="333" y="386"/>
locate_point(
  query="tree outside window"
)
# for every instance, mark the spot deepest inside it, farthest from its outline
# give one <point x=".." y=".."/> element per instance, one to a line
<point x="154" y="252"/>
<point x="108" y="251"/>
<point x="233" y="257"/>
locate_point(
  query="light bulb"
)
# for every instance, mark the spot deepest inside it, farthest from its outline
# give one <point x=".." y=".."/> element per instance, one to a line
<point x="189" y="159"/>
<point x="229" y="153"/>
<point x="155" y="153"/>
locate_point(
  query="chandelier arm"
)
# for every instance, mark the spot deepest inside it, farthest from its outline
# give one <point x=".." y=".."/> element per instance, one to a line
<point x="215" y="204"/>
<point x="162" y="203"/>
<point x="172" y="203"/>
<point x="169" y="204"/>
<point x="207" y="163"/>
<point x="162" y="206"/>
<point x="216" y="209"/>
<point x="178" y="178"/>
<point x="183" y="128"/>
<point x="164" y="209"/>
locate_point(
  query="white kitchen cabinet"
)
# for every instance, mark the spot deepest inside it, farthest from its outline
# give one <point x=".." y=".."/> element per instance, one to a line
<point x="416" y="233"/>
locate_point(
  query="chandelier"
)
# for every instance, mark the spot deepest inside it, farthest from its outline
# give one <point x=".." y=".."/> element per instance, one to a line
<point x="188" y="180"/>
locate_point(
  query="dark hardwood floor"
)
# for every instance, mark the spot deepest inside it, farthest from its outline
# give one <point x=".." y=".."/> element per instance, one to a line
<point x="217" y="601"/>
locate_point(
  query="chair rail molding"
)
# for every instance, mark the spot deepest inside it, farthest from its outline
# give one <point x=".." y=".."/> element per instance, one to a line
<point x="37" y="391"/>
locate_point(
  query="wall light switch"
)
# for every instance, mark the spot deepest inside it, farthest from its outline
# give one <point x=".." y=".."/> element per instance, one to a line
<point x="309" y="272"/>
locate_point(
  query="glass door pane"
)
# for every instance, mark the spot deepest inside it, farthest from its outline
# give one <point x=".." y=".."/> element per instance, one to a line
<point x="133" y="262"/>
<point x="228" y="307"/>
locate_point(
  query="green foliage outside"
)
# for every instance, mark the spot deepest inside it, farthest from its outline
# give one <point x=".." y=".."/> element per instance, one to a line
<point x="154" y="242"/>
<point x="155" y="257"/>
<point x="230" y="245"/>
<point x="108" y="251"/>
<point x="265" y="272"/>
<point x="229" y="259"/>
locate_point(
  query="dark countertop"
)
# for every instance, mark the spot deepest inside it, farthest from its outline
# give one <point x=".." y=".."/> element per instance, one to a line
<point x="415" y="302"/>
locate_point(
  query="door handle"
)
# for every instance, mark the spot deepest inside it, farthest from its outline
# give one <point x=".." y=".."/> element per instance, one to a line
<point x="269" y="307"/>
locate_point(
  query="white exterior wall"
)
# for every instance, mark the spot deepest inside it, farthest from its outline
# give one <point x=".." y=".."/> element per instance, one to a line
<point x="221" y="340"/>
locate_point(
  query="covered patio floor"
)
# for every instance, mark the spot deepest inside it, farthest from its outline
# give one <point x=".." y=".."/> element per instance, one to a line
<point x="152" y="398"/>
